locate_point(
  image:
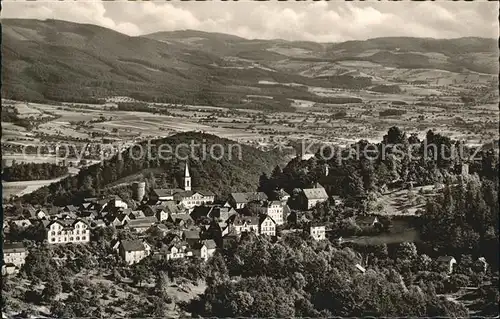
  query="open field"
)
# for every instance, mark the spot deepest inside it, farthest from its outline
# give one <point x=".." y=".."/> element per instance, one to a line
<point x="418" y="112"/>
<point x="403" y="201"/>
<point x="25" y="187"/>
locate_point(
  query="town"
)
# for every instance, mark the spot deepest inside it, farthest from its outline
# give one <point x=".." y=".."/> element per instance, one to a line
<point x="154" y="226"/>
<point x="193" y="223"/>
<point x="250" y="160"/>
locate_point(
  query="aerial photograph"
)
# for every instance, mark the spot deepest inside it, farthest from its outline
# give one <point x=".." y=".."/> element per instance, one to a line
<point x="250" y="159"/>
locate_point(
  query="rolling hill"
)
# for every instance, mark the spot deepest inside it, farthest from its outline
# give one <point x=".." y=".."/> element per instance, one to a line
<point x="456" y="55"/>
<point x="235" y="170"/>
<point x="65" y="61"/>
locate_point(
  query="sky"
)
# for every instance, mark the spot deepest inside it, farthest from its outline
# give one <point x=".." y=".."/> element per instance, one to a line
<point x="321" y="21"/>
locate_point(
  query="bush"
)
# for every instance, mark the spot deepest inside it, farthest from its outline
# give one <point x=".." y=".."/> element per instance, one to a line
<point x="455" y="282"/>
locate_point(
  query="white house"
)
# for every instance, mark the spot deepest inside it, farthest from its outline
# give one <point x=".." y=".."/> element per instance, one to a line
<point x="133" y="251"/>
<point x="267" y="226"/>
<point x="240" y="223"/>
<point x="176" y="249"/>
<point x="317" y="232"/>
<point x="275" y="210"/>
<point x="14" y="256"/>
<point x="206" y="249"/>
<point x="61" y="231"/>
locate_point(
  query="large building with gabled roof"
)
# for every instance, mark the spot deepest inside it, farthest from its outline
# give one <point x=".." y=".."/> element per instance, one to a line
<point x="62" y="231"/>
<point x="310" y="197"/>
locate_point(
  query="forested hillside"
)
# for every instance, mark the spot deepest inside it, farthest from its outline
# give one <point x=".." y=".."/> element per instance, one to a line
<point x="230" y="173"/>
<point x="55" y="60"/>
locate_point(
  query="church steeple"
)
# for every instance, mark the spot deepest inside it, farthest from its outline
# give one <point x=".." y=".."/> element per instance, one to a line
<point x="187" y="178"/>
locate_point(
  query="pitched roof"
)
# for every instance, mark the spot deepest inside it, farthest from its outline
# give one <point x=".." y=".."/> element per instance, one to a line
<point x="184" y="217"/>
<point x="263" y="217"/>
<point x="210" y="243"/>
<point x="249" y="197"/>
<point x="273" y="203"/>
<point x="162" y="227"/>
<point x="205" y="192"/>
<point x="21" y="222"/>
<point x="141" y="222"/>
<point x="445" y="258"/>
<point x="65" y="222"/>
<point x="71" y="208"/>
<point x="191" y="234"/>
<point x="168" y="192"/>
<point x="222" y="212"/>
<point x="366" y="219"/>
<point x="315" y="193"/>
<point x="240" y="220"/>
<point x="201" y="211"/>
<point x="282" y="193"/>
<point x="316" y="225"/>
<point x="171" y="207"/>
<point x="163" y="192"/>
<point x="137" y="214"/>
<point x="132" y="245"/>
<point x="14" y="247"/>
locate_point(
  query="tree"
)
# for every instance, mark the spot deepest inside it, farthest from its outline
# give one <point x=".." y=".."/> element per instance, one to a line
<point x="406" y="251"/>
<point x="52" y="289"/>
<point x="139" y="274"/>
<point x="353" y="186"/>
<point x="38" y="264"/>
<point x="159" y="309"/>
<point x="394" y="136"/>
<point x="161" y="286"/>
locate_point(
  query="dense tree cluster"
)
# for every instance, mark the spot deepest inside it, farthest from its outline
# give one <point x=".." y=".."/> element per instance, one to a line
<point x="366" y="167"/>
<point x="234" y="171"/>
<point x="383" y="88"/>
<point x="33" y="171"/>
<point x="392" y="112"/>
<point x="293" y="277"/>
<point x="464" y="219"/>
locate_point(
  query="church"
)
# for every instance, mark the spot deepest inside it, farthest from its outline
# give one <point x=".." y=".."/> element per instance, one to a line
<point x="185" y="196"/>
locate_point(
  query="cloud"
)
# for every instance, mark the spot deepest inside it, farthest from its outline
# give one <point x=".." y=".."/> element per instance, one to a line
<point x="313" y="21"/>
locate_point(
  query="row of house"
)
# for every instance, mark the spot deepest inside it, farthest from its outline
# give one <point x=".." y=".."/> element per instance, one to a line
<point x="176" y="247"/>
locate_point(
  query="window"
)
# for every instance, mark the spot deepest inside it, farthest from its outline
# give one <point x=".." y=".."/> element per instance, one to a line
<point x="53" y="239"/>
<point x="71" y="239"/>
<point x="53" y="233"/>
<point x="83" y="238"/>
<point x="77" y="226"/>
<point x="77" y="238"/>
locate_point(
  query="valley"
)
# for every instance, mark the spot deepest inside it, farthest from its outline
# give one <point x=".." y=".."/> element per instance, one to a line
<point x="100" y="222"/>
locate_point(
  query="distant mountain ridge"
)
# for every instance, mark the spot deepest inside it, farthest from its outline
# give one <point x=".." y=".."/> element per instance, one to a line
<point x="66" y="61"/>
